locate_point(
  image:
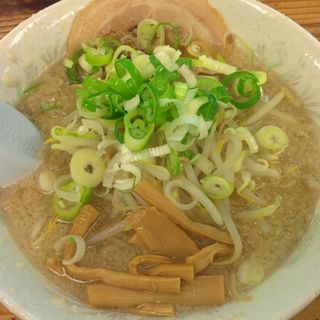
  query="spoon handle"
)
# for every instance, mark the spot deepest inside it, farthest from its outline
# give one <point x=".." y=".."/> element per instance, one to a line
<point x="20" y="143"/>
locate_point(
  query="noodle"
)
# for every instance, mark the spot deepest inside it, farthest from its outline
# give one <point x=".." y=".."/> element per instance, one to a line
<point x="265" y="110"/>
<point x="224" y="207"/>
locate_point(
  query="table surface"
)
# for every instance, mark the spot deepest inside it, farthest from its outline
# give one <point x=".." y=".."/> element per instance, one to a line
<point x="306" y="13"/>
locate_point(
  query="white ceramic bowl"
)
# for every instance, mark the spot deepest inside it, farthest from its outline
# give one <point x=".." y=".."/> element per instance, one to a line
<point x="289" y="50"/>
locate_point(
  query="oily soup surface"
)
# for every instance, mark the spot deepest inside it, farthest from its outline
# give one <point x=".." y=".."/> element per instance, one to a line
<point x="24" y="204"/>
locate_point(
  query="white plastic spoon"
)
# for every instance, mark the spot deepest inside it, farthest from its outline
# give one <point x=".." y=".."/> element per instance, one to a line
<point x="20" y="142"/>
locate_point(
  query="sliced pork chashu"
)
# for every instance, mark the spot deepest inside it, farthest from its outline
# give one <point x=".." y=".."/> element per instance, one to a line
<point x="101" y="17"/>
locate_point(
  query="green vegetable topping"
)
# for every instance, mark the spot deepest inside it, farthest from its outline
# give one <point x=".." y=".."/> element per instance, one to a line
<point x="137" y="131"/>
<point x="87" y="168"/>
<point x="246" y="87"/>
<point x="173" y="163"/>
<point x="216" y="187"/>
<point x="67" y="210"/>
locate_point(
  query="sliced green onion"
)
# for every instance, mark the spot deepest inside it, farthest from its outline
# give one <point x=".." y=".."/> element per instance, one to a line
<point x="173" y="54"/>
<point x="173" y="163"/>
<point x="87" y="67"/>
<point x="261" y="76"/>
<point x="221" y="94"/>
<point x="147" y="30"/>
<point x="80" y="248"/>
<point x="93" y="126"/>
<point x="214" y="65"/>
<point x="101" y="44"/>
<point x="68" y="210"/>
<point x="197" y="127"/>
<point x="125" y="67"/>
<point x="84" y="112"/>
<point x="97" y="58"/>
<point x="163" y="88"/>
<point x="194" y="106"/>
<point x="50" y="105"/>
<point x="65" y="210"/>
<point x="119" y="130"/>
<point x="99" y="52"/>
<point x="87" y="168"/>
<point x="183" y="60"/>
<point x="208" y="83"/>
<point x="150" y="102"/>
<point x="123" y="49"/>
<point x="145" y="67"/>
<point x="92" y="87"/>
<point x="96" y="96"/>
<point x="137" y="131"/>
<point x="176" y="42"/>
<point x="119" y="86"/>
<point x="189" y="154"/>
<point x="191" y="94"/>
<point x="217" y="188"/>
<point x="74" y="138"/>
<point x="272" y="138"/>
<point x="162" y="72"/>
<point x="67" y="189"/>
<point x="209" y="110"/>
<point x="116" y="110"/>
<point x="112" y="168"/>
<point x="203" y="164"/>
<point x="150" y="153"/>
<point x="68" y="63"/>
<point x="132" y="104"/>
<point x="188" y="75"/>
<point x="180" y="90"/>
<point x="72" y="73"/>
<point x="248" y="89"/>
<point x="128" y="183"/>
<point x="58" y="133"/>
<point x="166" y="61"/>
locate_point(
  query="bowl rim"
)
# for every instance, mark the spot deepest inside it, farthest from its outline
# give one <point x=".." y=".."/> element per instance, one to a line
<point x="316" y="42"/>
<point x="15" y="308"/>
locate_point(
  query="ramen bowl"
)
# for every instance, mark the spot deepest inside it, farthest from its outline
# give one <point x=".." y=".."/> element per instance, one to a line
<point x="284" y="47"/>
